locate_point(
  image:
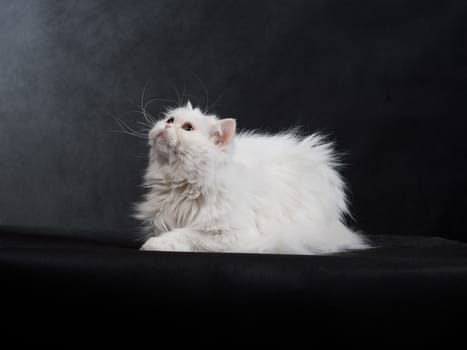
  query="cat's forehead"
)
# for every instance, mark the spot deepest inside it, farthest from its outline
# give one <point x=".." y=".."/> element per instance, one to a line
<point x="190" y="114"/>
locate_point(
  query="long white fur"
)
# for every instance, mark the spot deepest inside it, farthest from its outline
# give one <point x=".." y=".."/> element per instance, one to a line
<point x="212" y="190"/>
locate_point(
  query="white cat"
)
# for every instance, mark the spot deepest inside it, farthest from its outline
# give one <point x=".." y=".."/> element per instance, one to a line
<point x="212" y="190"/>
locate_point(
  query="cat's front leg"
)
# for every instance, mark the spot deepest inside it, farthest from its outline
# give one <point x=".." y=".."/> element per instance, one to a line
<point x="180" y="240"/>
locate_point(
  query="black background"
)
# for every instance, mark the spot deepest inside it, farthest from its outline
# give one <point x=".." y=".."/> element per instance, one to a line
<point x="386" y="79"/>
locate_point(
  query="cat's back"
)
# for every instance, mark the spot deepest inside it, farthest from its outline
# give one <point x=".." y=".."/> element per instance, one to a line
<point x="253" y="148"/>
<point x="290" y="175"/>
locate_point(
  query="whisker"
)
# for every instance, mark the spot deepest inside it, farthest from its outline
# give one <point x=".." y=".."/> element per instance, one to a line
<point x="180" y="101"/>
<point x="215" y="101"/>
<point x="142" y="123"/>
<point x="206" y="109"/>
<point x="143" y="93"/>
<point x="148" y="117"/>
<point x="124" y="129"/>
<point x="184" y="89"/>
<point x="158" y="100"/>
<point x="129" y="131"/>
<point x="148" y="120"/>
<point x="193" y="99"/>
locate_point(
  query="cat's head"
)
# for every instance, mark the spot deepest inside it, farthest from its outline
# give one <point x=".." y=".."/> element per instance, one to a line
<point x="185" y="134"/>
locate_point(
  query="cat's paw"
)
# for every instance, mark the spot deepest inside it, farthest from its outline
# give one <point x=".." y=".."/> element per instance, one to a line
<point x="165" y="243"/>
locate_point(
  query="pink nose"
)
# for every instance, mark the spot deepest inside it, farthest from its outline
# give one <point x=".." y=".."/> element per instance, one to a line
<point x="168" y="126"/>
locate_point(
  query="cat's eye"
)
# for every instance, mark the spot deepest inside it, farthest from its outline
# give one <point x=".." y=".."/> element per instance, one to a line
<point x="187" y="127"/>
<point x="170" y="120"/>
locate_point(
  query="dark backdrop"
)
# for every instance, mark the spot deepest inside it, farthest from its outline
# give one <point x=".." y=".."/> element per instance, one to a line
<point x="387" y="79"/>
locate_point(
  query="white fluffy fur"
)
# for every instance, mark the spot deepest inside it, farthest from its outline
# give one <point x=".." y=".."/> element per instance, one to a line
<point x="212" y="190"/>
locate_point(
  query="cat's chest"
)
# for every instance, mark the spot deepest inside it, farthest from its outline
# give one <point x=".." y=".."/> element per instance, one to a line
<point x="175" y="206"/>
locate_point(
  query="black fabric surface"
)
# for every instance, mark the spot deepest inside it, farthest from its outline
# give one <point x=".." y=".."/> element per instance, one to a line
<point x="414" y="282"/>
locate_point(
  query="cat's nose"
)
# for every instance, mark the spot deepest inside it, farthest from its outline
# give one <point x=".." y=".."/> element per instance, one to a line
<point x="168" y="126"/>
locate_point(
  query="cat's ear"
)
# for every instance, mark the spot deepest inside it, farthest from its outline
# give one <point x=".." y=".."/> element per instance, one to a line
<point x="188" y="105"/>
<point x="224" y="131"/>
